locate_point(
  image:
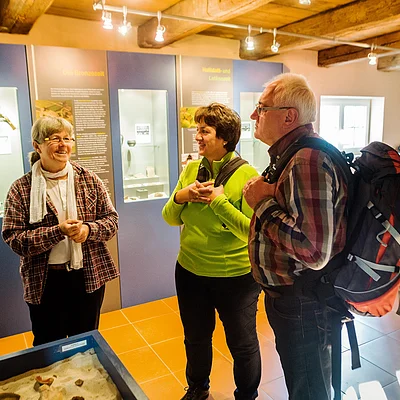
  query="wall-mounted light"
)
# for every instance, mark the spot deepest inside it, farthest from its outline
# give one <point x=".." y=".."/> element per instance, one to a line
<point x="275" y="45"/>
<point x="249" y="40"/>
<point x="107" y="18"/>
<point x="125" y="27"/>
<point x="305" y="2"/>
<point x="160" y="29"/>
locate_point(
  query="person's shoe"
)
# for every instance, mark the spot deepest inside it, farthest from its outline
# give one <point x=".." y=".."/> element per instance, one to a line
<point x="195" y="393"/>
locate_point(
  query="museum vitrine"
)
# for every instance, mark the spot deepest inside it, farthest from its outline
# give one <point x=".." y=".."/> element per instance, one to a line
<point x="251" y="149"/>
<point x="11" y="160"/>
<point x="144" y="143"/>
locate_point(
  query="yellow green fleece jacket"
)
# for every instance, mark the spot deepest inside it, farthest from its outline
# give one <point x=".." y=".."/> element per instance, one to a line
<point x="214" y="237"/>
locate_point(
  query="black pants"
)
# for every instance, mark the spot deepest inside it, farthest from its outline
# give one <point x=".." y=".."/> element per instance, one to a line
<point x="65" y="309"/>
<point x="235" y="299"/>
<point x="303" y="341"/>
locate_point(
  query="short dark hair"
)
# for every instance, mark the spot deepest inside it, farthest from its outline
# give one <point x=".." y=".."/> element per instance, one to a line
<point x="226" y="122"/>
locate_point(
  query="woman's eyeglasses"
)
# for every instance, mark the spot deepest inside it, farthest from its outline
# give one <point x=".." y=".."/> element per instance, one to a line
<point x="260" y="108"/>
<point x="57" y="139"/>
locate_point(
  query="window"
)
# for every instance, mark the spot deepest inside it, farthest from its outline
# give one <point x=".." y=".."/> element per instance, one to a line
<point x="350" y="123"/>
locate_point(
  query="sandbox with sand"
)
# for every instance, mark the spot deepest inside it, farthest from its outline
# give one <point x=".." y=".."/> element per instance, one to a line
<point x="80" y="377"/>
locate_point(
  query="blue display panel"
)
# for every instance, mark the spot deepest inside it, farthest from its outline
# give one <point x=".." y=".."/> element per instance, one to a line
<point x="147" y="245"/>
<point x="14" y="317"/>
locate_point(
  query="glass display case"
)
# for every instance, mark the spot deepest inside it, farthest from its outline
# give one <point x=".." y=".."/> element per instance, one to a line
<point x="251" y="149"/>
<point x="11" y="160"/>
<point x="144" y="144"/>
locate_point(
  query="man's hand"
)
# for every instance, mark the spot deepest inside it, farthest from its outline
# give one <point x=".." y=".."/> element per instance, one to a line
<point x="256" y="189"/>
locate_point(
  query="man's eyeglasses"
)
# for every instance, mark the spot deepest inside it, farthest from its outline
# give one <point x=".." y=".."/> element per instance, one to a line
<point x="260" y="108"/>
<point x="57" y="139"/>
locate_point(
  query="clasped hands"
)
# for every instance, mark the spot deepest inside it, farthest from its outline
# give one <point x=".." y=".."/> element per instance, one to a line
<point x="75" y="229"/>
<point x="197" y="192"/>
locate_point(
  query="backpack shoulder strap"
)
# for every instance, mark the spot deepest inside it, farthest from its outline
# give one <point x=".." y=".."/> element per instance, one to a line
<point x="227" y="170"/>
<point x="341" y="160"/>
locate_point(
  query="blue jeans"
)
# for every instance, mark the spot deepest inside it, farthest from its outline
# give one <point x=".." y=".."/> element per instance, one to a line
<point x="303" y="341"/>
<point x="235" y="299"/>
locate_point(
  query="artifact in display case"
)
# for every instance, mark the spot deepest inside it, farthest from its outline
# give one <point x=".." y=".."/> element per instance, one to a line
<point x="144" y="144"/>
<point x="11" y="159"/>
<point x="80" y="367"/>
<point x="251" y="149"/>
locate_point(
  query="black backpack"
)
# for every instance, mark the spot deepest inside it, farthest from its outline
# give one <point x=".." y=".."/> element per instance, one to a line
<point x="365" y="277"/>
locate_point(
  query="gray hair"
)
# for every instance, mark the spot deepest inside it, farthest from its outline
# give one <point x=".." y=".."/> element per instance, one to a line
<point x="43" y="128"/>
<point x="293" y="90"/>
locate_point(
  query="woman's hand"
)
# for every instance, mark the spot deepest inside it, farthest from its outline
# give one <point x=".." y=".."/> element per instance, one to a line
<point x="75" y="230"/>
<point x="195" y="193"/>
<point x="216" y="191"/>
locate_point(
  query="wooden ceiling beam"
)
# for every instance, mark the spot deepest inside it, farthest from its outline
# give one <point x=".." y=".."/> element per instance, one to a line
<point x="214" y="10"/>
<point x="353" y="21"/>
<point x="389" y="63"/>
<point x="340" y="55"/>
<point x="18" y="16"/>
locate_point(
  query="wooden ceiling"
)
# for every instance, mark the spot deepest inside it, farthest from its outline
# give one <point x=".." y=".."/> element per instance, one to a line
<point x="376" y="22"/>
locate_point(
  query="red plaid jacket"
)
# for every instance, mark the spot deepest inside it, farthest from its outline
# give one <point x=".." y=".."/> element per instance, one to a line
<point x="304" y="225"/>
<point x="33" y="242"/>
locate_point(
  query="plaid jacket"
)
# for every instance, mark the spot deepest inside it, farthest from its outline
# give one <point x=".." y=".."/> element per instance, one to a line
<point x="304" y="225"/>
<point x="33" y="242"/>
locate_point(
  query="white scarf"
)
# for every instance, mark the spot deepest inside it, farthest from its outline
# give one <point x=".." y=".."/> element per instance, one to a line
<point x="38" y="207"/>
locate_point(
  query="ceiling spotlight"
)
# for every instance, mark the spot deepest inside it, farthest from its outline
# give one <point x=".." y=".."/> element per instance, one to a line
<point x="372" y="58"/>
<point x="107" y="24"/>
<point x="275" y="45"/>
<point x="125" y="27"/>
<point x="249" y="40"/>
<point x="305" y="2"/>
<point x="160" y="29"/>
<point x="372" y="55"/>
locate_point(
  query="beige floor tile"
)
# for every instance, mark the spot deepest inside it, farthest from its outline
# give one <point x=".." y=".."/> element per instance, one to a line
<point x="10" y="344"/>
<point x="276" y="389"/>
<point x="368" y="372"/>
<point x="166" y="387"/>
<point x="123" y="338"/>
<point x="144" y="365"/>
<point x="264" y="327"/>
<point x="386" y="324"/>
<point x="172" y="302"/>
<point x="172" y="352"/>
<point x="112" y="319"/>
<point x="160" y="328"/>
<point x="29" y="338"/>
<point x="147" y="310"/>
<point x="270" y="363"/>
<point x="384" y="353"/>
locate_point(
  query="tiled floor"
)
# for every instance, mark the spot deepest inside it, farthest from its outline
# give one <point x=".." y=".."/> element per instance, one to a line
<point x="149" y="341"/>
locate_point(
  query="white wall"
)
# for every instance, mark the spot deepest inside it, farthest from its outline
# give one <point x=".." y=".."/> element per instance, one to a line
<point x="357" y="79"/>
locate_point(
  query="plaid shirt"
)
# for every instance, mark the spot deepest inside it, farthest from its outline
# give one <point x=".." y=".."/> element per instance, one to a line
<point x="33" y="242"/>
<point x="304" y="225"/>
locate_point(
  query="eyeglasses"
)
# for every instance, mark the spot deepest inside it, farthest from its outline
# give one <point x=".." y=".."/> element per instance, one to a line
<point x="260" y="109"/>
<point x="57" y="139"/>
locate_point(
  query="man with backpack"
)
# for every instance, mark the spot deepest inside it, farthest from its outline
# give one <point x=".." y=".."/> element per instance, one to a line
<point x="299" y="224"/>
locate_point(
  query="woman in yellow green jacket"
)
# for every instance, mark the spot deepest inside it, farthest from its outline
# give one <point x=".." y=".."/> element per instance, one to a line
<point x="213" y="268"/>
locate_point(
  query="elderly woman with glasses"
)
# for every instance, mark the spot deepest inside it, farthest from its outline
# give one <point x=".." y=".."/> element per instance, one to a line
<point x="58" y="218"/>
<point x="213" y="268"/>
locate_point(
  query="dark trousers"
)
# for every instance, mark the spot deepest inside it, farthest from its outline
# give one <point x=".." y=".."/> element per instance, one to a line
<point x="303" y="341"/>
<point x="235" y="299"/>
<point x="65" y="309"/>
